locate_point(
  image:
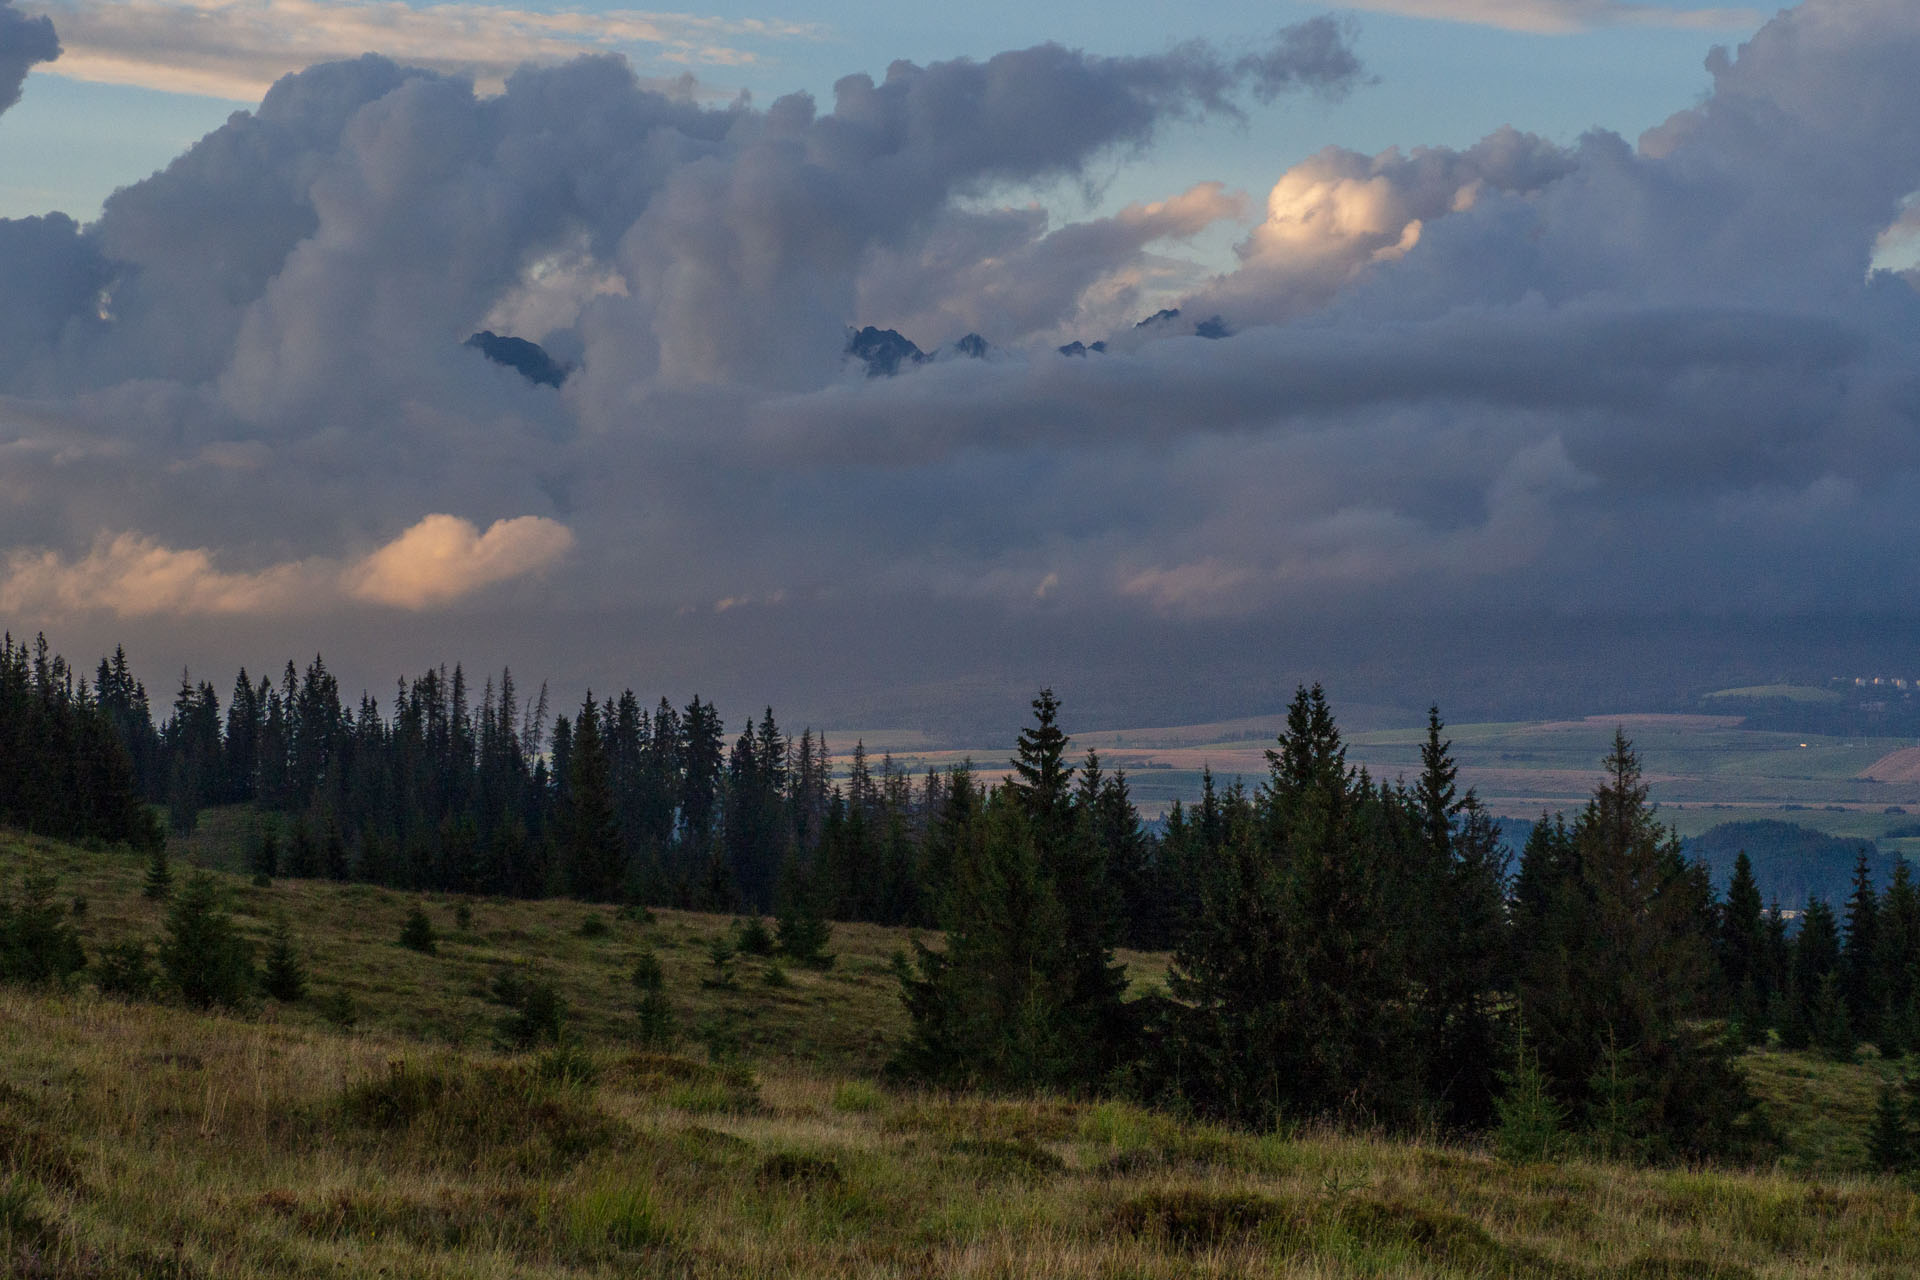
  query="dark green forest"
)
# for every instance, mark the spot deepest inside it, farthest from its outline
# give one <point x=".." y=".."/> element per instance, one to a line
<point x="1343" y="947"/>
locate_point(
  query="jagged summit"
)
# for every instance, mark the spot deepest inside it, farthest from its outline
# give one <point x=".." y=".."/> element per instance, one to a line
<point x="529" y="359"/>
<point x="886" y="352"/>
<point x="883" y="351"/>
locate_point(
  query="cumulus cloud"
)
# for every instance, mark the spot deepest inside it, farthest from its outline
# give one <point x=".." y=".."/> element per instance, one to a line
<point x="1472" y="387"/>
<point x="131" y="575"/>
<point x="238" y="48"/>
<point x="24" y="43"/>
<point x="444" y="557"/>
<point x="1566" y="17"/>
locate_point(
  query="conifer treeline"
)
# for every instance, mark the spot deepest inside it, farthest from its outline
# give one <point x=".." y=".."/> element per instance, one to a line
<point x="1836" y="981"/>
<point x="63" y="769"/>
<point x="1350" y="949"/>
<point x="447" y="791"/>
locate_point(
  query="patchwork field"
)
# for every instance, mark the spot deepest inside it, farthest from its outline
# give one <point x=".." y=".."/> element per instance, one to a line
<point x="1703" y="769"/>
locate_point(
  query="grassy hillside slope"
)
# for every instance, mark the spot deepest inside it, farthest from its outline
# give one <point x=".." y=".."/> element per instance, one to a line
<point x="143" y="1140"/>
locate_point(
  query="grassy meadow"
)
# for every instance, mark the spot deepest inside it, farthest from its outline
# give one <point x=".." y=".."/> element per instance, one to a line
<point x="146" y="1140"/>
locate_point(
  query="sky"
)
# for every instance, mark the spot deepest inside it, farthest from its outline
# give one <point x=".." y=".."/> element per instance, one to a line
<point x="1532" y="355"/>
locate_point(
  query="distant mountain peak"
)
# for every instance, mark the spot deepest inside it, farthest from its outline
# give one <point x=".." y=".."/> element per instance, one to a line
<point x="529" y="359"/>
<point x="883" y="351"/>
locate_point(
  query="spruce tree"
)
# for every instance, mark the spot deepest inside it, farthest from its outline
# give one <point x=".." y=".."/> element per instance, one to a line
<point x="655" y="1020"/>
<point x="1298" y="983"/>
<point x="333" y="853"/>
<point x="38" y="943"/>
<point x="1860" y="975"/>
<point x="203" y="955"/>
<point x="800" y="929"/>
<point x="303" y="854"/>
<point x="1042" y="780"/>
<point x="283" y="974"/>
<point x="159" y="881"/>
<point x="993" y="1009"/>
<point x="1529" y="1121"/>
<point x="1620" y="1115"/>
<point x="1741" y="945"/>
<point x="1234" y="1046"/>
<point x="263" y="856"/>
<point x="1615" y="949"/>
<point x="1831" y="1025"/>
<point x="1815" y="964"/>
<point x="417" y="933"/>
<point x="721" y="955"/>
<point x="1454" y="902"/>
<point x="1890" y="1142"/>
<point x="1898" y="962"/>
<point x="596" y="859"/>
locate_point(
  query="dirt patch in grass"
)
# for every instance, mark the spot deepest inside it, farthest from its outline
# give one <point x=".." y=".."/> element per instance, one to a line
<point x="798" y="1168"/>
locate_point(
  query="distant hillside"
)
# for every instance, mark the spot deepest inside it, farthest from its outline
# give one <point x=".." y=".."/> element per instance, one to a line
<point x="1789" y="861"/>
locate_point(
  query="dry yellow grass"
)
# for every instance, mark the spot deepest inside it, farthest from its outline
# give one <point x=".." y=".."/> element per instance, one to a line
<point x="145" y="1140"/>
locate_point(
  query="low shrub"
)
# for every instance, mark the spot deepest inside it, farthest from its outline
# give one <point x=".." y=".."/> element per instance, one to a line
<point x="448" y="1110"/>
<point x="799" y="1168"/>
<point x="38" y="943"/>
<point x="338" y="1008"/>
<point x="417" y="933"/>
<point x="1196" y="1218"/>
<point x="755" y="939"/>
<point x="124" y="969"/>
<point x="536" y="1012"/>
<point x="620" y="1214"/>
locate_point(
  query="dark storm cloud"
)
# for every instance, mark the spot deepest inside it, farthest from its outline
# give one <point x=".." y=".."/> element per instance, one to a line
<point x="24" y="43"/>
<point x="1519" y="376"/>
<point x="1316" y="53"/>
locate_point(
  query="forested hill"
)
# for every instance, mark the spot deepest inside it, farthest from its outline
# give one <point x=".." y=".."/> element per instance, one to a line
<point x="1790" y="863"/>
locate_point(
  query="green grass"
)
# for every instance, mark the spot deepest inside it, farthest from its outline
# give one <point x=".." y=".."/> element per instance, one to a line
<point x="1822" y="1107"/>
<point x="147" y="1140"/>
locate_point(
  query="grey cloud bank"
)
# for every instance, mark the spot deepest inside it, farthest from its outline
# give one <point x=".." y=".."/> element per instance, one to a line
<point x="1522" y="407"/>
<point x="24" y="43"/>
